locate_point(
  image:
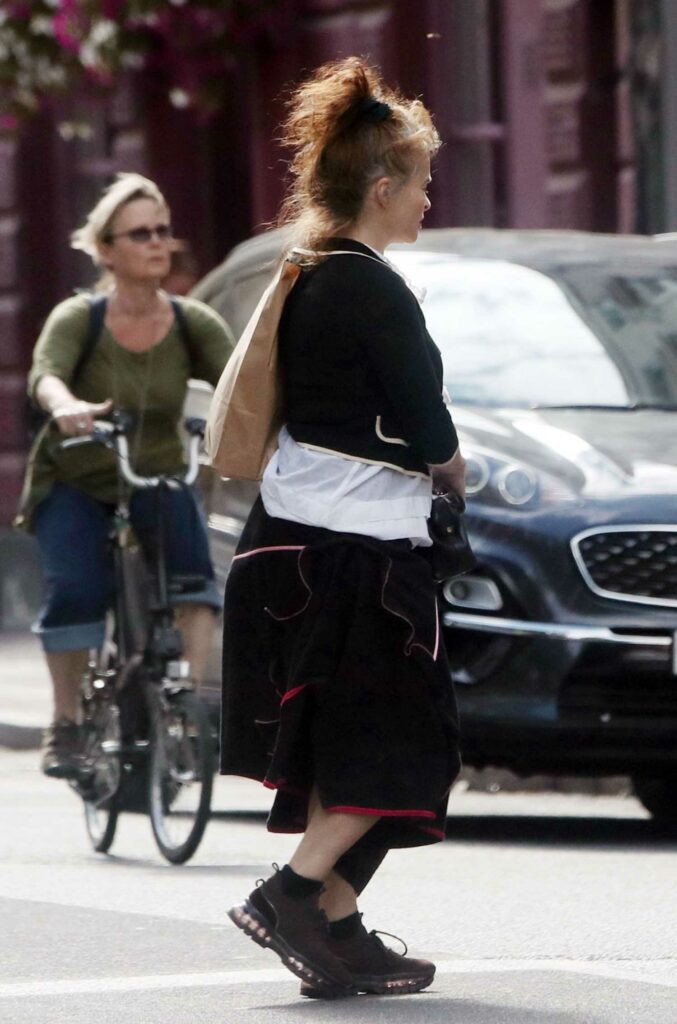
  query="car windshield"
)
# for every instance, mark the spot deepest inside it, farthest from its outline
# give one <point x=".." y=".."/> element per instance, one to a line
<point x="582" y="335"/>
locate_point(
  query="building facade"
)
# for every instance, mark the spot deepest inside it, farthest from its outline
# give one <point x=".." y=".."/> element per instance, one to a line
<point x="533" y="99"/>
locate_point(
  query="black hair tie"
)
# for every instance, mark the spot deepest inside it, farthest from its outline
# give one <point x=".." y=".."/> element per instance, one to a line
<point x="373" y="111"/>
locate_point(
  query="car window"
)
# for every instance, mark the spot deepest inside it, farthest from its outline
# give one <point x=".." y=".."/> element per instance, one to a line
<point x="234" y="294"/>
<point x="244" y="293"/>
<point x="512" y="335"/>
<point x="635" y="309"/>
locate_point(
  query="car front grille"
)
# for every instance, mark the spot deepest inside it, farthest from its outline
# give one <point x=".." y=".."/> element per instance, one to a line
<point x="630" y="563"/>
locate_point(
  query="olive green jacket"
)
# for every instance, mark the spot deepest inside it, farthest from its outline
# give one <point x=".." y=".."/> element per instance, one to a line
<point x="151" y="385"/>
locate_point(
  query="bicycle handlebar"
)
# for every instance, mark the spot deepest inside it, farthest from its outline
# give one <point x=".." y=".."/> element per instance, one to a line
<point x="114" y="436"/>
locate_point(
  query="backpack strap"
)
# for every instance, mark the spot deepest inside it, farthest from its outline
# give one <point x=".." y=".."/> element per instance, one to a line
<point x="36" y="416"/>
<point x="97" y="315"/>
<point x="184" y="330"/>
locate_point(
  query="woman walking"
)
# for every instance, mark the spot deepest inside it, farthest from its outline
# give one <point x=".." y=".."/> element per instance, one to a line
<point x="337" y="693"/>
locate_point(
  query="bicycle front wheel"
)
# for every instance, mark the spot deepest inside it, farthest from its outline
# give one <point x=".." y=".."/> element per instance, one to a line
<point x="101" y="821"/>
<point x="181" y="775"/>
<point x="100" y="780"/>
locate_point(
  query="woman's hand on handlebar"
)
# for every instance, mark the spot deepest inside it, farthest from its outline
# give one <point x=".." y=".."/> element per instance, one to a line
<point x="450" y="476"/>
<point x="71" y="415"/>
<point x="77" y="417"/>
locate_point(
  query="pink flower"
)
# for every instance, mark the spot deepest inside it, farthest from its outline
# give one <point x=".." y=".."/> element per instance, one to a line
<point x="71" y="8"/>
<point x="68" y="26"/>
<point x="192" y="41"/>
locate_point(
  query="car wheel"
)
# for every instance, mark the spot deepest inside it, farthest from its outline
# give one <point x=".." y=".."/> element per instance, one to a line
<point x="659" y="796"/>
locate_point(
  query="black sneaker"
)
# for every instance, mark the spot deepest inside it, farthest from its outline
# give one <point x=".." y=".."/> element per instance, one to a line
<point x="296" y="929"/>
<point x="62" y="750"/>
<point x="374" y="967"/>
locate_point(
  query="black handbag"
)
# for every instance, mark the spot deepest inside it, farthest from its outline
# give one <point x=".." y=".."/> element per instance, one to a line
<point x="451" y="554"/>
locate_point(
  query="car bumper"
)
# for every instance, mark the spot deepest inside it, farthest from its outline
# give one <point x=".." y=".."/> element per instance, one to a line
<point x="573" y="697"/>
<point x="574" y="632"/>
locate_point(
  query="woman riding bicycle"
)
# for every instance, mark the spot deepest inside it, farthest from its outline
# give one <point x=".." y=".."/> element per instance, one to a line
<point x="138" y="358"/>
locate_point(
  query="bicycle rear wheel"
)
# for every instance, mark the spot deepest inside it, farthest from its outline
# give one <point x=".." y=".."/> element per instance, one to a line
<point x="181" y="775"/>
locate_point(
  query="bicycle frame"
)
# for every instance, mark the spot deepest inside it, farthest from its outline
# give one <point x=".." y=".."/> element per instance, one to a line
<point x="162" y="648"/>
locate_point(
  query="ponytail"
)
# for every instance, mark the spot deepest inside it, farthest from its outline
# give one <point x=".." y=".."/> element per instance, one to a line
<point x="347" y="129"/>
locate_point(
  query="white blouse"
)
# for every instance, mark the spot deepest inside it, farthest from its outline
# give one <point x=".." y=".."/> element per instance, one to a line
<point x="319" y="489"/>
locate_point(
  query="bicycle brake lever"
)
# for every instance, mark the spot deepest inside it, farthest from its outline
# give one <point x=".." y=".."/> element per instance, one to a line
<point x="121" y="420"/>
<point x="195" y="426"/>
<point x="102" y="434"/>
<point x="75" y="442"/>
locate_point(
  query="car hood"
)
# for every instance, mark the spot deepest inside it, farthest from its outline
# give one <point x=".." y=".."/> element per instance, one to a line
<point x="596" y="452"/>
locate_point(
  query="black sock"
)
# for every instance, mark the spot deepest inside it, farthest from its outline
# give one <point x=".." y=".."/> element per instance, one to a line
<point x="297" y="886"/>
<point x="346" y="927"/>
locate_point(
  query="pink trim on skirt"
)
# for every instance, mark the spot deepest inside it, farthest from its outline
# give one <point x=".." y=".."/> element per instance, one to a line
<point x="280" y="547"/>
<point x="380" y="812"/>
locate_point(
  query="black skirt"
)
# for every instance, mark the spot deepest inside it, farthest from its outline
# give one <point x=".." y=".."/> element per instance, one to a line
<point x="335" y="675"/>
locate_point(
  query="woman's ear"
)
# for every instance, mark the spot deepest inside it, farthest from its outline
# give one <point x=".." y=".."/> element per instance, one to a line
<point x="382" y="190"/>
<point x="104" y="253"/>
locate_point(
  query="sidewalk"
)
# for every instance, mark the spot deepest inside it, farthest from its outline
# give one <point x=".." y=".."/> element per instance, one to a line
<point x="25" y="692"/>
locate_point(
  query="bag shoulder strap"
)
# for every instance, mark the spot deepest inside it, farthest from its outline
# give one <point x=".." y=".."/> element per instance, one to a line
<point x="418" y="293"/>
<point x="351" y="252"/>
<point x="337" y="252"/>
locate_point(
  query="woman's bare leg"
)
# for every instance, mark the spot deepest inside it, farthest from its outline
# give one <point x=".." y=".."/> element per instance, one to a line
<point x="338" y="899"/>
<point x="196" y="623"/>
<point x="328" y="835"/>
<point x="66" y="668"/>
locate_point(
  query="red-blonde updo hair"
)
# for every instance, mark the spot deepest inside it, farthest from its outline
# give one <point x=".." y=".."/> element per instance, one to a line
<point x="347" y="129"/>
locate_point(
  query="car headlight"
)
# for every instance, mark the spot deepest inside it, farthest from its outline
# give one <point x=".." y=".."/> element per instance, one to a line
<point x="477" y="473"/>
<point x="516" y="484"/>
<point x="494" y="479"/>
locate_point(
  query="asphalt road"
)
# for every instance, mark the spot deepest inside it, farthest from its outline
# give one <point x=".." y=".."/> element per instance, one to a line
<point x="538" y="908"/>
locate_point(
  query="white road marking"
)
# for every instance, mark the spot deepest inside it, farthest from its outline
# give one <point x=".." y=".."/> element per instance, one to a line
<point x="152" y="982"/>
<point x="652" y="972"/>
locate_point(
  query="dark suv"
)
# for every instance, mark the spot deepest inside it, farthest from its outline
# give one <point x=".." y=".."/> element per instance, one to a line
<point x="560" y="352"/>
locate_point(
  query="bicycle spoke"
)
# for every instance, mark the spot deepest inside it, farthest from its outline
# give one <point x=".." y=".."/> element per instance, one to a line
<point x="99" y="779"/>
<point x="182" y="765"/>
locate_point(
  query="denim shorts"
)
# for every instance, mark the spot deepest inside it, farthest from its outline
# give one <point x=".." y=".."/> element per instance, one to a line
<point x="72" y="530"/>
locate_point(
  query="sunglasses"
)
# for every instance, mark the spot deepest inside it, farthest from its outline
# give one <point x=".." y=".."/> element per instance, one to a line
<point x="162" y="232"/>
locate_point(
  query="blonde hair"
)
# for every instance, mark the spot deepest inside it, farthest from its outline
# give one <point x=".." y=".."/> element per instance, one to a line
<point x="347" y="129"/>
<point x="125" y="189"/>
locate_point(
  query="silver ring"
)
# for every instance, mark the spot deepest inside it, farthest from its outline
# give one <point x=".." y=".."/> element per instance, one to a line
<point x="82" y="423"/>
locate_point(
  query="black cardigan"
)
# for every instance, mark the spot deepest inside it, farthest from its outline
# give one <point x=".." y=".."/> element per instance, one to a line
<point x="361" y="375"/>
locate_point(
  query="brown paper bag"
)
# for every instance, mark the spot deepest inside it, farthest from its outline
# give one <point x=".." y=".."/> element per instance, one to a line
<point x="245" y="415"/>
